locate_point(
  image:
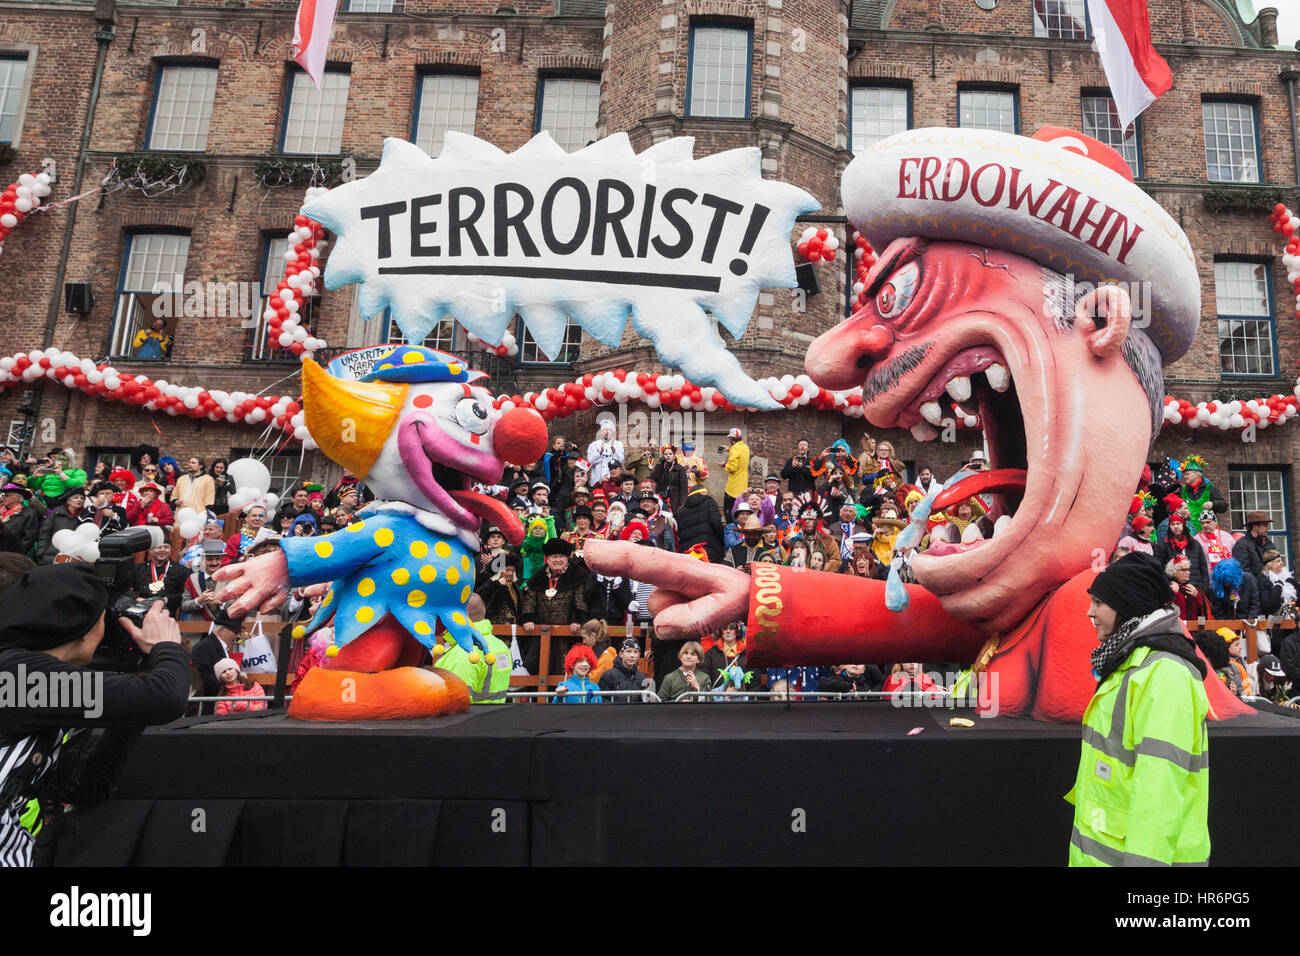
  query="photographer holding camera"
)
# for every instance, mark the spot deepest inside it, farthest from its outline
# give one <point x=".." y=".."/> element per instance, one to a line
<point x="52" y="620"/>
<point x="798" y="470"/>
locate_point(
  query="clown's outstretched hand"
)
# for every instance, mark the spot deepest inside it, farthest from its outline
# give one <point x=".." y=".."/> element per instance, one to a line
<point x="691" y="598"/>
<point x="261" y="584"/>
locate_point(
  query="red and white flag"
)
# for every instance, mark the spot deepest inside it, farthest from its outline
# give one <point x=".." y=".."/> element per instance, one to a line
<point x="1136" y="72"/>
<point x="311" y="36"/>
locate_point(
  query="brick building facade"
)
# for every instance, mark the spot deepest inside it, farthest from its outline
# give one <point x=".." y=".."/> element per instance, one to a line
<point x="819" y="78"/>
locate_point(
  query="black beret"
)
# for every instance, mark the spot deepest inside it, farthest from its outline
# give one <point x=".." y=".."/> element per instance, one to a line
<point x="52" y="605"/>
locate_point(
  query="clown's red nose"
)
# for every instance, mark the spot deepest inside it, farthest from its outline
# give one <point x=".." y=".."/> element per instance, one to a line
<point x="520" y="436"/>
<point x="877" y="342"/>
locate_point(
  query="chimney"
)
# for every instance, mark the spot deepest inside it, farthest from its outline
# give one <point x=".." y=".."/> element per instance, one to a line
<point x="1268" y="27"/>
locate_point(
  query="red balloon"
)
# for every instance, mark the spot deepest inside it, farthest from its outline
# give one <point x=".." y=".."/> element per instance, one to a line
<point x="1279" y="209"/>
<point x="828" y="254"/>
<point x="796" y="390"/>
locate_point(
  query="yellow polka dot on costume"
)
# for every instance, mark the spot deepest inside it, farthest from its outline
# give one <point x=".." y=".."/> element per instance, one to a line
<point x="329" y="596"/>
<point x="453" y="368"/>
<point x="416" y="598"/>
<point x="464" y="563"/>
<point x="422" y="627"/>
<point x="401" y="576"/>
<point x="356" y="526"/>
<point x="464" y="594"/>
<point x="459" y="618"/>
<point x="428" y="574"/>
<point x="387" y="365"/>
<point x="453" y="576"/>
<point x="331" y="651"/>
<point x="419" y="549"/>
<point x="439" y="650"/>
<point x="365" y="614"/>
<point x="366" y="587"/>
<point x="442" y="549"/>
<point x="384" y="537"/>
<point x="410" y="357"/>
<point x="324" y="548"/>
<point x="298" y="632"/>
<point x="475" y="657"/>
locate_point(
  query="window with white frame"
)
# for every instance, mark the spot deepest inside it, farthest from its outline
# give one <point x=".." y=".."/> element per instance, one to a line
<point x="257" y="348"/>
<point x="1061" y="19"/>
<point x="182" y="108"/>
<point x="569" y="110"/>
<point x="154" y="262"/>
<point x="314" y="118"/>
<point x="370" y="6"/>
<point x="1244" y="306"/>
<point x="443" y="337"/>
<point x="447" y="101"/>
<point x="719" y="72"/>
<point x="876" y="112"/>
<point x="987" y="109"/>
<point x="530" y="352"/>
<point x="1263" y="489"/>
<point x="1101" y="121"/>
<point x="1231" y="142"/>
<point x="283" y="469"/>
<point x="13" y="74"/>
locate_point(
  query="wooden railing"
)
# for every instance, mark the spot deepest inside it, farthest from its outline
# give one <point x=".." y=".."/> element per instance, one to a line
<point x="192" y="630"/>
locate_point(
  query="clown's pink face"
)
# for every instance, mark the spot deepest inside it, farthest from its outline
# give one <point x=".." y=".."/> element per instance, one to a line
<point x="1066" y="420"/>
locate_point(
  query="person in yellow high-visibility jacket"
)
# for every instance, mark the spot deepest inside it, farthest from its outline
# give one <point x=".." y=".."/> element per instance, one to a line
<point x="488" y="680"/>
<point x="737" y="470"/>
<point x="1141" y="795"/>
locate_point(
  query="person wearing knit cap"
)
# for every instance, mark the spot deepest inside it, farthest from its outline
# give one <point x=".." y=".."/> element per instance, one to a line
<point x="1214" y="541"/>
<point x="1140" y="529"/>
<point x="52" y="621"/>
<point x="1140" y="795"/>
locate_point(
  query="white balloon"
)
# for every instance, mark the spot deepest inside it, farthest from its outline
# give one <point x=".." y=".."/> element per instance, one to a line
<point x="190" y="529"/>
<point x="88" y="552"/>
<point x="271" y="499"/>
<point x="87" y="531"/>
<point x="249" y="473"/>
<point x="65" y="540"/>
<point x="236" y="501"/>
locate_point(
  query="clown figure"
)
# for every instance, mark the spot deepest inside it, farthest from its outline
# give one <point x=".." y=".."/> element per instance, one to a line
<point x="419" y="434"/>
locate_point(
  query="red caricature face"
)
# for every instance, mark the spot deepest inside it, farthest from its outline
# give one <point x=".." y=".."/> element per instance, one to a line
<point x="953" y="327"/>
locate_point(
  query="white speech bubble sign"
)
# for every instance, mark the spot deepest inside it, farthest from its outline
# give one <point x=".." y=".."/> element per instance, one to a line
<point x="582" y="236"/>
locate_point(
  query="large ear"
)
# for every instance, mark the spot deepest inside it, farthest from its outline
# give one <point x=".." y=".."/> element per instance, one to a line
<point x="1105" y="315"/>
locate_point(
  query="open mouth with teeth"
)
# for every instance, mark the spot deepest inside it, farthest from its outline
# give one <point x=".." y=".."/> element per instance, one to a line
<point x="974" y="381"/>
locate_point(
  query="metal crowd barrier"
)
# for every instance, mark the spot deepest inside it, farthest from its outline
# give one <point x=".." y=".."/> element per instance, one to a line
<point x="646" y="696"/>
<point x="811" y="695"/>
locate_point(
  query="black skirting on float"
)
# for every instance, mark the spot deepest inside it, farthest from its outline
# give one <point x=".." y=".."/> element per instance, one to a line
<point x="735" y="783"/>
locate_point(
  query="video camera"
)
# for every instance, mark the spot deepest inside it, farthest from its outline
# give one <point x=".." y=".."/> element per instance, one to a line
<point x="116" y="565"/>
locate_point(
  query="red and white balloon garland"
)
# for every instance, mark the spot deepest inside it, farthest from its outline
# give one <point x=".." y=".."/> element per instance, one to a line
<point x="1287" y="224"/>
<point x="818" y="245"/>
<point x="508" y="347"/>
<point x="114" y="386"/>
<point x="20" y="199"/>
<point x="865" y="258"/>
<point x="301" y="270"/>
<point x="1257" y="412"/>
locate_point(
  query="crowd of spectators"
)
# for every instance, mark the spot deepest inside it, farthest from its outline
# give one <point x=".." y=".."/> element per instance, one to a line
<point x="831" y="510"/>
<point x="1177" y="515"/>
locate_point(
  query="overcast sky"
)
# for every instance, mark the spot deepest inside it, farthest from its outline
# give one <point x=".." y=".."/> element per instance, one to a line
<point x="1288" y="20"/>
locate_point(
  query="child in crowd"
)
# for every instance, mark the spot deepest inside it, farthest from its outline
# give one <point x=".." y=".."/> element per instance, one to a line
<point x="688" y="677"/>
<point x="577" y="686"/>
<point x="235" y="684"/>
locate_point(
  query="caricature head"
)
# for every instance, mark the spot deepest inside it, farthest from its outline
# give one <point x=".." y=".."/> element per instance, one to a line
<point x="1061" y="378"/>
